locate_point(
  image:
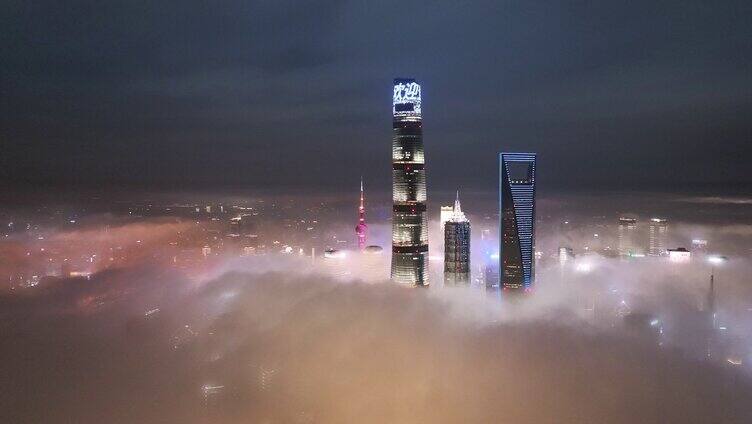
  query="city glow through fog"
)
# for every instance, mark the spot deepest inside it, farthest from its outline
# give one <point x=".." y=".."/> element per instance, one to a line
<point x="375" y="212"/>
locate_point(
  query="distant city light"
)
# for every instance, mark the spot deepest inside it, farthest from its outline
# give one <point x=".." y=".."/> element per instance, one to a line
<point x="584" y="267"/>
<point x="679" y="255"/>
<point x="151" y="312"/>
<point x="334" y="254"/>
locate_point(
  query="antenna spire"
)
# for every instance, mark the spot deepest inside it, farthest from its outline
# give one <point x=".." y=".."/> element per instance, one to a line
<point x="361" y="229"/>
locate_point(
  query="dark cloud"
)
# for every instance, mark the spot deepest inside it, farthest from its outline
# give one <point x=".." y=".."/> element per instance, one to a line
<point x="175" y="92"/>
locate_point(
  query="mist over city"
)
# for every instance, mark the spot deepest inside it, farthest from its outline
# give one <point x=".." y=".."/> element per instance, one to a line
<point x="375" y="212"/>
<point x="151" y="311"/>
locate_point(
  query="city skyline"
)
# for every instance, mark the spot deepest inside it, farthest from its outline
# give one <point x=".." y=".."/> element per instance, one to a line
<point x="183" y="238"/>
<point x="183" y="283"/>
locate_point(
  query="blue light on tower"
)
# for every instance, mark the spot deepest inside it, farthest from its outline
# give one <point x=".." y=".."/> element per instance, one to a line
<point x="517" y="220"/>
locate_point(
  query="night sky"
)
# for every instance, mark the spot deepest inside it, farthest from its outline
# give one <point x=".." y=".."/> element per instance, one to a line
<point x="267" y="94"/>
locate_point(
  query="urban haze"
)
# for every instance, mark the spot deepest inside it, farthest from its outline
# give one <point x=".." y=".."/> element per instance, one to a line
<point x="375" y="212"/>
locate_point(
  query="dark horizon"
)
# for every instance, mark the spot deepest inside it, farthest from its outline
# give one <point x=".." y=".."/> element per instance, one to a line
<point x="378" y="188"/>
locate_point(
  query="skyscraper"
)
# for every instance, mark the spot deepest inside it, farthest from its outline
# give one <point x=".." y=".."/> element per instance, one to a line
<point x="517" y="220"/>
<point x="457" y="248"/>
<point x="657" y="236"/>
<point x="373" y="264"/>
<point x="680" y="255"/>
<point x="566" y="254"/>
<point x="361" y="230"/>
<point x="409" y="218"/>
<point x="445" y="215"/>
<point x="699" y="246"/>
<point x="336" y="264"/>
<point x="627" y="236"/>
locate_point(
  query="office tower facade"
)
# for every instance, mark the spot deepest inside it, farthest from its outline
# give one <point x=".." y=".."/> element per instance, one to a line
<point x="374" y="264"/>
<point x="491" y="276"/>
<point x="699" y="246"/>
<point x="445" y="215"/>
<point x="409" y="218"/>
<point x="657" y="233"/>
<point x="335" y="263"/>
<point x="457" y="248"/>
<point x="361" y="230"/>
<point x="517" y="220"/>
<point x="566" y="254"/>
<point x="679" y="255"/>
<point x="627" y="236"/>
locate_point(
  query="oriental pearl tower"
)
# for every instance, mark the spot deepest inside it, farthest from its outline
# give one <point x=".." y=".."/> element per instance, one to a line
<point x="361" y="229"/>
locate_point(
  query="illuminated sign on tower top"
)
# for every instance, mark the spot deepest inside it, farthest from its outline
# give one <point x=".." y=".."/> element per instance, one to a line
<point x="406" y="99"/>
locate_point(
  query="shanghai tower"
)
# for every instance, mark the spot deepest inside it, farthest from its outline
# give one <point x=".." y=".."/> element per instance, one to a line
<point x="409" y="219"/>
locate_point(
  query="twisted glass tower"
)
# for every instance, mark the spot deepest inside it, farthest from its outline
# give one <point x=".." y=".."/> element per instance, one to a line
<point x="517" y="220"/>
<point x="409" y="218"/>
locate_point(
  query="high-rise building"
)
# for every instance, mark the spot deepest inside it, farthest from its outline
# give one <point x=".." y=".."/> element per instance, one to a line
<point x="445" y="215"/>
<point x="658" y="231"/>
<point x="679" y="255"/>
<point x="566" y="254"/>
<point x="699" y="245"/>
<point x="409" y="218"/>
<point x="336" y="263"/>
<point x="361" y="230"/>
<point x="373" y="264"/>
<point x="491" y="276"/>
<point x="517" y="220"/>
<point x="627" y="236"/>
<point x="457" y="248"/>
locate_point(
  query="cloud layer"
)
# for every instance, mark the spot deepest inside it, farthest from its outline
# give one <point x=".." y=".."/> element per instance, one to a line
<point x="261" y="345"/>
